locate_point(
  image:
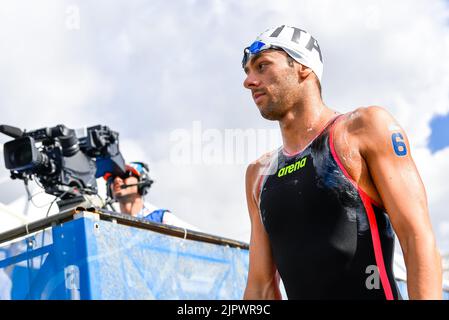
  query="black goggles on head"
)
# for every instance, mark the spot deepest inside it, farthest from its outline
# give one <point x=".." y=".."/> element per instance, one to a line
<point x="255" y="48"/>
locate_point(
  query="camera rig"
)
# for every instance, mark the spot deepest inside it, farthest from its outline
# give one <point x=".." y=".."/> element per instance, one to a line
<point x="66" y="162"/>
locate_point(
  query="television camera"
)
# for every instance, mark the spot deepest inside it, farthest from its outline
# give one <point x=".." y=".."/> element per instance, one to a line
<point x="66" y="162"/>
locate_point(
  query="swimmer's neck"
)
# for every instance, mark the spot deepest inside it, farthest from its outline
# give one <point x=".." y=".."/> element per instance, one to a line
<point x="303" y="122"/>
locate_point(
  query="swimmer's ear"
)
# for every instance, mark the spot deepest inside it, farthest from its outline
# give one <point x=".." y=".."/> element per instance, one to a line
<point x="303" y="71"/>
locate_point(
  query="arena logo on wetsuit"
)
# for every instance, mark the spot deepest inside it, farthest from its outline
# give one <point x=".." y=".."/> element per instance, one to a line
<point x="293" y="167"/>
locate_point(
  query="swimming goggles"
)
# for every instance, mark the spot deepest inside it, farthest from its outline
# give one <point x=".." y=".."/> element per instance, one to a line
<point x="255" y="48"/>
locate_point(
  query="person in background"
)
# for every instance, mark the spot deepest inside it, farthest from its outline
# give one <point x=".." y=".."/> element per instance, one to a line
<point x="129" y="191"/>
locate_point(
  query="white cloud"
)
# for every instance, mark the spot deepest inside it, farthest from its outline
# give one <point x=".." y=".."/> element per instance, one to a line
<point x="133" y="150"/>
<point x="210" y="197"/>
<point x="434" y="168"/>
<point x="44" y="83"/>
<point x="148" y="68"/>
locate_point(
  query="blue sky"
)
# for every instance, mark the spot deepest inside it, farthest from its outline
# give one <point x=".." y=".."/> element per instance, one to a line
<point x="439" y="139"/>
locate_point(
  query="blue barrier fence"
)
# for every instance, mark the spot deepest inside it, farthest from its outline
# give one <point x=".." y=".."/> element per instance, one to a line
<point x="87" y="258"/>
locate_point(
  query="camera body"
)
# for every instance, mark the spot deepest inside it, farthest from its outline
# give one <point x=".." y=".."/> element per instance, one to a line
<point x="64" y="161"/>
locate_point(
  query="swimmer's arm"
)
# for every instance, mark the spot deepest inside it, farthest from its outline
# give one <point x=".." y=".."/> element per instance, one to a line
<point x="263" y="279"/>
<point x="385" y="148"/>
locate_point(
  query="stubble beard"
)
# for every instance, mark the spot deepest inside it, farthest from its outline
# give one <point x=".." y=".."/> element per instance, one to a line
<point x="279" y="99"/>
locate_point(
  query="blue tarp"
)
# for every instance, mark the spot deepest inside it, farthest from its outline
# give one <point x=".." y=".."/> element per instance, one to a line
<point x="92" y="259"/>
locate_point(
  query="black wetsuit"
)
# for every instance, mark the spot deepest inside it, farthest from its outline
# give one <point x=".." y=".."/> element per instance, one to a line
<point x="329" y="239"/>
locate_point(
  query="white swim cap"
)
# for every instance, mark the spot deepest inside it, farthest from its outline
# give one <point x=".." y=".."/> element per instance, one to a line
<point x="297" y="43"/>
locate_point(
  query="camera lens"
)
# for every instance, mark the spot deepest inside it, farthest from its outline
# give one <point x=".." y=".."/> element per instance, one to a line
<point x="21" y="156"/>
<point x="70" y="145"/>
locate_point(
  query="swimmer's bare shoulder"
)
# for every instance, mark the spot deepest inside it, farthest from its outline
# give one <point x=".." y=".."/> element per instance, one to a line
<point x="254" y="173"/>
<point x="362" y="122"/>
<point x="356" y="137"/>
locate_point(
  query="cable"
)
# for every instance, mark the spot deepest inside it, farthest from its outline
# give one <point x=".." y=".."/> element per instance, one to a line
<point x="31" y="196"/>
<point x="36" y="181"/>
<point x="43" y="231"/>
<point x="40" y="192"/>
<point x="30" y="199"/>
<point x="46" y="216"/>
<point x="51" y="204"/>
